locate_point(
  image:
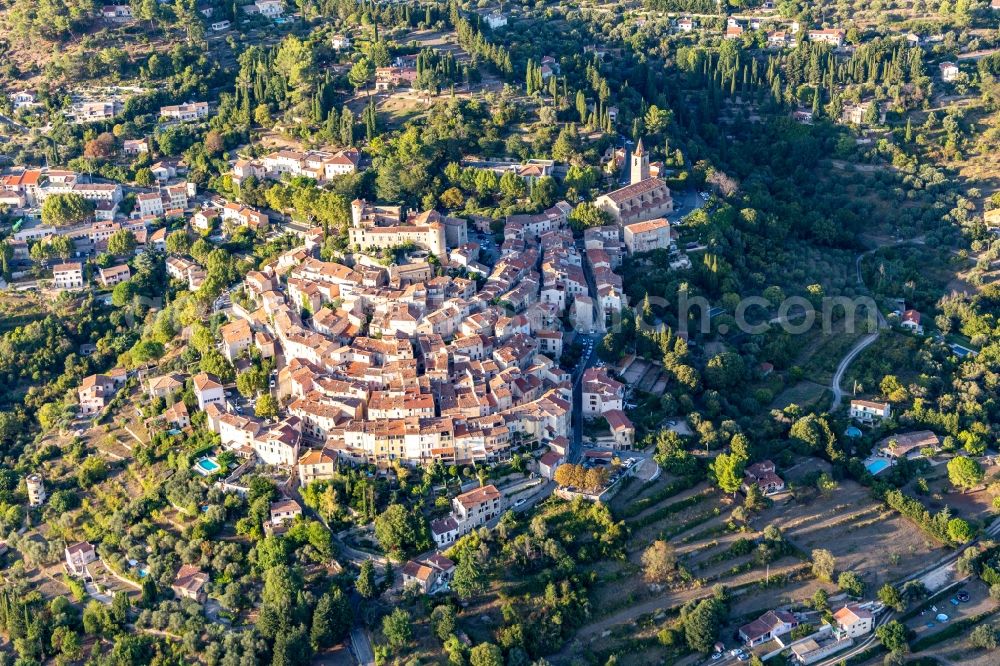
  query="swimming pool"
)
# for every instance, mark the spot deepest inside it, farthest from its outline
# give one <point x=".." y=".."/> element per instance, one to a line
<point x="206" y="466"/>
<point x="876" y="465"/>
<point x="853" y="432"/>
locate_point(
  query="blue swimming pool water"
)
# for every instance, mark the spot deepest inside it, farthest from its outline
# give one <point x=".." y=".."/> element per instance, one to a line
<point x="853" y="432"/>
<point x="876" y="466"/>
<point x="208" y="465"/>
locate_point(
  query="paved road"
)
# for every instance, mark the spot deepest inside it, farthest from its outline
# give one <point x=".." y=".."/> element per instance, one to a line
<point x="860" y="346"/>
<point x="13" y="123"/>
<point x="361" y="646"/>
<point x="865" y="342"/>
<point x="587" y="361"/>
<point x="354" y="555"/>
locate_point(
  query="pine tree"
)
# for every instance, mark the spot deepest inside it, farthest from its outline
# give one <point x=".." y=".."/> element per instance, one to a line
<point x="468" y="580"/>
<point x="365" y="583"/>
<point x="149" y="592"/>
<point x="332" y="125"/>
<point x="347" y="128"/>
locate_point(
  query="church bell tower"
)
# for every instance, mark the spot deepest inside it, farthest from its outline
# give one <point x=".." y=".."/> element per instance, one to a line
<point x="639" y="170"/>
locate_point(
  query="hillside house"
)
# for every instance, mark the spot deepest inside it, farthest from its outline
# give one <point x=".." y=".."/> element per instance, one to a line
<point x="78" y="556"/>
<point x="762" y="474"/>
<point x="67" y="276"/>
<point x="870" y="411"/>
<point x="189" y="583"/>
<point x="96" y="391"/>
<point x="771" y="624"/>
<point x="853" y="621"/>
<point x="908" y="445"/>
<point x="113" y="275"/>
<point x="187" y="112"/>
<point x="208" y="390"/>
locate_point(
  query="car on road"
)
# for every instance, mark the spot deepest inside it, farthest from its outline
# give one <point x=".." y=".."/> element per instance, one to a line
<point x="521" y="502"/>
<point x="717" y="656"/>
<point x="962" y="596"/>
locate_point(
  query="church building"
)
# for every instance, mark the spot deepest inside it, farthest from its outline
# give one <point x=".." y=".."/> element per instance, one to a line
<point x="644" y="198"/>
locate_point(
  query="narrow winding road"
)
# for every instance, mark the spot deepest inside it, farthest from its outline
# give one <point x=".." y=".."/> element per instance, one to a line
<point x="865" y="342"/>
<point x="860" y="346"/>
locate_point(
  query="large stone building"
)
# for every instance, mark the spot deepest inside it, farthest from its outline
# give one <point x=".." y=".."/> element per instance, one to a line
<point x="376" y="229"/>
<point x="644" y="198"/>
<point x="647" y="236"/>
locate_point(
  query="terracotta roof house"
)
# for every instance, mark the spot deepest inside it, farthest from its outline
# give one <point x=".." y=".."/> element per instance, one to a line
<point x="910" y="320"/>
<point x="190" y="582"/>
<point x="771" y="624"/>
<point x="762" y="475"/>
<point x="208" y="390"/>
<point x="78" y="556"/>
<point x="621" y="428"/>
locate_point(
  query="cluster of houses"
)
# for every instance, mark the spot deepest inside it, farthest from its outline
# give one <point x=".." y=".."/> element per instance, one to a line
<point x="189" y="583"/>
<point x="108" y="108"/>
<point x="26" y="190"/>
<point x="271" y="9"/>
<point x="317" y="164"/>
<point x="773" y="630"/>
<point x="781" y="36"/>
<point x="411" y="362"/>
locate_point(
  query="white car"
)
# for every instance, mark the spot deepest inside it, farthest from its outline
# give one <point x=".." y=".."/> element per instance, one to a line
<point x="520" y="502"/>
